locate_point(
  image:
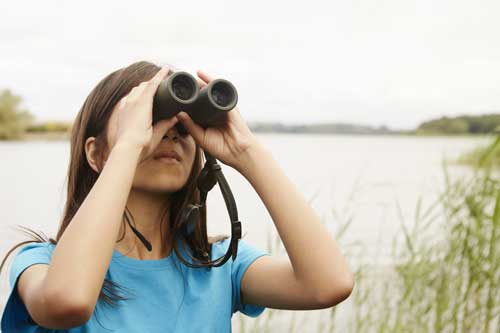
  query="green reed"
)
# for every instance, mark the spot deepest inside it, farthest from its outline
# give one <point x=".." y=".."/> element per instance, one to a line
<point x="483" y="156"/>
<point x="445" y="271"/>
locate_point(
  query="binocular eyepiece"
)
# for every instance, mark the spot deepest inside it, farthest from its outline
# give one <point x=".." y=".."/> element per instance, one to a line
<point x="207" y="107"/>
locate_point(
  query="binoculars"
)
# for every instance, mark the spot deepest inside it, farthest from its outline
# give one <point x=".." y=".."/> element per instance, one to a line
<point x="207" y="106"/>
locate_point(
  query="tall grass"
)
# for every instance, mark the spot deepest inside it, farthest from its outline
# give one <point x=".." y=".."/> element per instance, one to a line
<point x="484" y="156"/>
<point x="447" y="282"/>
<point x="445" y="275"/>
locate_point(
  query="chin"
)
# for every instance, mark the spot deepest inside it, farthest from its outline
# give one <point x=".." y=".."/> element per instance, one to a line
<point x="160" y="180"/>
<point x="162" y="184"/>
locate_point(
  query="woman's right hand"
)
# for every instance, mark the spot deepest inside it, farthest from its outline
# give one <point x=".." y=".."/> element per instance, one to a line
<point x="131" y="121"/>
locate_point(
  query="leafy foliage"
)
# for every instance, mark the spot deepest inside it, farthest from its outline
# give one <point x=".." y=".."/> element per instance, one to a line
<point x="487" y="156"/>
<point x="49" y="126"/>
<point x="13" y="119"/>
<point x="485" y="124"/>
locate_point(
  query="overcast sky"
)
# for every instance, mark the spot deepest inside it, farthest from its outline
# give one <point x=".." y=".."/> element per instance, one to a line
<point x="393" y="62"/>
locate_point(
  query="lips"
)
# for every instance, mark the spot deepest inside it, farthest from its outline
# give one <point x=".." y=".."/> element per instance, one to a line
<point x="168" y="153"/>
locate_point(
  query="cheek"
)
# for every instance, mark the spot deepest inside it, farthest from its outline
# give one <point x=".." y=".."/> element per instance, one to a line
<point x="190" y="150"/>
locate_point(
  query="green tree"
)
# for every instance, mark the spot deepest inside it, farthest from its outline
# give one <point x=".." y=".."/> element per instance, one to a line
<point x="13" y="119"/>
<point x="482" y="124"/>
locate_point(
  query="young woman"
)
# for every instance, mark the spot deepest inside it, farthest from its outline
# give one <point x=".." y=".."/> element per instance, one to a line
<point x="95" y="276"/>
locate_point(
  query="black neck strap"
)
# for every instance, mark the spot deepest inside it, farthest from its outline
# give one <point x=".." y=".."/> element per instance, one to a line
<point x="215" y="170"/>
<point x="210" y="175"/>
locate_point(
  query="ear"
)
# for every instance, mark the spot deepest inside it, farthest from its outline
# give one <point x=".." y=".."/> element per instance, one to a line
<point x="92" y="154"/>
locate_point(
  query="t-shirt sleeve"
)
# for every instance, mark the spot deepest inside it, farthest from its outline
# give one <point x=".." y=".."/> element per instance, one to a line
<point x="246" y="256"/>
<point x="15" y="317"/>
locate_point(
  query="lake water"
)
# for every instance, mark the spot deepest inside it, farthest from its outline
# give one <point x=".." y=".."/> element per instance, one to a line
<point x="358" y="177"/>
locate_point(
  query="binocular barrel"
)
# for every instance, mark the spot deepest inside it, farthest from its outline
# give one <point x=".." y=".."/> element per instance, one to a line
<point x="207" y="107"/>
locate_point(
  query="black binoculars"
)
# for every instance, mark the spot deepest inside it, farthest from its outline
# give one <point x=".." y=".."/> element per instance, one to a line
<point x="207" y="106"/>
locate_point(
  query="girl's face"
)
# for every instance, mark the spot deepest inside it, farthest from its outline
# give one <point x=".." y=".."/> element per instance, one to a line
<point x="158" y="175"/>
<point x="162" y="174"/>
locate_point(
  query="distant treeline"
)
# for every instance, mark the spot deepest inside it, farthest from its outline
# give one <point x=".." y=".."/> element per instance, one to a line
<point x="18" y="123"/>
<point x="13" y="119"/>
<point x="334" y="128"/>
<point x="484" y="124"/>
<point x="49" y="126"/>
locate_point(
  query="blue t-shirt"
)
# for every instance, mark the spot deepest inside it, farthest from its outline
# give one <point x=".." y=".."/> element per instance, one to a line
<point x="163" y="295"/>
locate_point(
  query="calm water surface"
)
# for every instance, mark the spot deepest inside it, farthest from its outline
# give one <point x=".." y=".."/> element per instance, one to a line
<point x="362" y="177"/>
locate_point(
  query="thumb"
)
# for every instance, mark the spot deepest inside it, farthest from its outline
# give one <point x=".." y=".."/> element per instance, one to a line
<point x="159" y="130"/>
<point x="196" y="131"/>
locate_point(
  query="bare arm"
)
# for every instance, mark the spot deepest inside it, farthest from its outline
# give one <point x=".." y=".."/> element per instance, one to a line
<point x="64" y="293"/>
<point x="316" y="274"/>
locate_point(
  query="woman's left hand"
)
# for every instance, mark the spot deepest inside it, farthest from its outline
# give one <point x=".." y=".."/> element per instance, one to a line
<point x="228" y="143"/>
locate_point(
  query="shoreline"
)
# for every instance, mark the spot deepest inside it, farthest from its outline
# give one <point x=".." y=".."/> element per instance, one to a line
<point x="65" y="136"/>
<point x="50" y="136"/>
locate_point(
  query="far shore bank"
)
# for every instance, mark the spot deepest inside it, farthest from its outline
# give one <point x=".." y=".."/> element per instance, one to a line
<point x="65" y="136"/>
<point x="49" y="136"/>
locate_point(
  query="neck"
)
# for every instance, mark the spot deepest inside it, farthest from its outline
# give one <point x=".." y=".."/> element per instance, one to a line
<point x="150" y="215"/>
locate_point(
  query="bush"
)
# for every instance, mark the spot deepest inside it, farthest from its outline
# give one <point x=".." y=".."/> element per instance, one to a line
<point x="13" y="120"/>
<point x="484" y="124"/>
<point x="50" y="126"/>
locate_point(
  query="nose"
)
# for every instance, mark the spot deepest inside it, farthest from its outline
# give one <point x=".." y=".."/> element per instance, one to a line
<point x="172" y="134"/>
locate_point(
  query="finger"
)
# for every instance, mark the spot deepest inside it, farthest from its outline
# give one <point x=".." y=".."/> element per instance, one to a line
<point x="141" y="87"/>
<point x="196" y="131"/>
<point x="161" y="73"/>
<point x="134" y="93"/>
<point x="162" y="126"/>
<point x="153" y="84"/>
<point x="201" y="84"/>
<point x="160" y="129"/>
<point x="204" y="76"/>
<point x="123" y="102"/>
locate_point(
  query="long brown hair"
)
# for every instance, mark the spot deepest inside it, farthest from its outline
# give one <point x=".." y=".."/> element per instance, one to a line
<point x="92" y="120"/>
